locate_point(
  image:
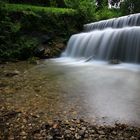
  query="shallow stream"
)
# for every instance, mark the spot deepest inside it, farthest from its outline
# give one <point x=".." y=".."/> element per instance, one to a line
<point x="61" y="88"/>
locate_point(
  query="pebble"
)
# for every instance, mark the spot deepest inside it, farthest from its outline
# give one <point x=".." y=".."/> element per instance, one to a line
<point x="60" y="130"/>
<point x="78" y="137"/>
<point x="101" y="132"/>
<point x="49" y="137"/>
<point x="81" y="132"/>
<point x="84" y="128"/>
<point x="67" y="131"/>
<point x="72" y="129"/>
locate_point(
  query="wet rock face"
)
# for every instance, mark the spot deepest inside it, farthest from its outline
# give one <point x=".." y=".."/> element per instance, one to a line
<point x="39" y="52"/>
<point x="49" y="48"/>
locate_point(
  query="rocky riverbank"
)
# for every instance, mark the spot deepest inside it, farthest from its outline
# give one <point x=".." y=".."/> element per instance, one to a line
<point x="27" y="126"/>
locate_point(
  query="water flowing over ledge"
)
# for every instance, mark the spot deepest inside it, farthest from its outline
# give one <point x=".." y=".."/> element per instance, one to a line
<point x="107" y="44"/>
<point x="130" y="20"/>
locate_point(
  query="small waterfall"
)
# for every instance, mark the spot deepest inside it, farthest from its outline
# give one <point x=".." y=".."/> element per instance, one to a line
<point x="117" y="39"/>
<point x="130" y="20"/>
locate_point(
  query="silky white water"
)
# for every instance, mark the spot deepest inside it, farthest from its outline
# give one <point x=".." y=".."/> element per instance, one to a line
<point x="125" y="21"/>
<point x="121" y="41"/>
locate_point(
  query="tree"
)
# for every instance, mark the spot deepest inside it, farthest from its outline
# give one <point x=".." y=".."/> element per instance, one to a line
<point x="84" y="7"/>
<point x="114" y="2"/>
<point x="130" y="6"/>
<point x="101" y="3"/>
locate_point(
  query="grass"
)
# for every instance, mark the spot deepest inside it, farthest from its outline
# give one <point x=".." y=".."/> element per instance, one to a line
<point x="25" y="7"/>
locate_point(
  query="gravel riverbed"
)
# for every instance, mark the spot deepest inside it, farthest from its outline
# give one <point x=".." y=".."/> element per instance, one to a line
<point x="16" y="125"/>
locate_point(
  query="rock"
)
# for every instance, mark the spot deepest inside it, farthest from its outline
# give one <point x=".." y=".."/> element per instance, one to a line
<point x="81" y="120"/>
<point x="49" y="137"/>
<point x="40" y="51"/>
<point x="77" y="136"/>
<point x="101" y="132"/>
<point x="47" y="126"/>
<point x="132" y="138"/>
<point x="72" y="129"/>
<point x="92" y="131"/>
<point x="86" y="135"/>
<point x="81" y="132"/>
<point x="67" y="132"/>
<point x="114" y="61"/>
<point x="55" y="126"/>
<point x="114" y="133"/>
<point x="11" y="74"/>
<point x="23" y="133"/>
<point x="84" y="128"/>
<point x="101" y="137"/>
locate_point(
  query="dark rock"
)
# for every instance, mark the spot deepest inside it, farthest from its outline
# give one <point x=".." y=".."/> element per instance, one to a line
<point x="2" y="85"/>
<point x="11" y="74"/>
<point x="114" y="61"/>
<point x="47" y="126"/>
<point x="39" y="52"/>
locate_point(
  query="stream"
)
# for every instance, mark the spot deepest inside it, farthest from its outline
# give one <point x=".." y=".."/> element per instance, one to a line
<point x="63" y="88"/>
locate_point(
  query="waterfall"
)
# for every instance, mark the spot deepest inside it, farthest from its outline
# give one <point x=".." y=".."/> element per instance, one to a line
<point x="130" y="20"/>
<point x="107" y="40"/>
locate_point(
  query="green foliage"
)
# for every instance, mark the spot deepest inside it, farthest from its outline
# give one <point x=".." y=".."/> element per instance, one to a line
<point x="13" y="43"/>
<point x="130" y="7"/>
<point x="85" y="8"/>
<point x="22" y="27"/>
<point x="101" y="4"/>
<point x="49" y="3"/>
<point x="36" y="9"/>
<point x="106" y="13"/>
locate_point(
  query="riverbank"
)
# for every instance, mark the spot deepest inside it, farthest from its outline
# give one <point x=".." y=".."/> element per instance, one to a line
<point x="28" y="31"/>
<point x="25" y="126"/>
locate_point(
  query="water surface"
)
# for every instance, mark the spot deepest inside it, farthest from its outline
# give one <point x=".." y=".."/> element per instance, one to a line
<point x="65" y="88"/>
<point x="99" y="91"/>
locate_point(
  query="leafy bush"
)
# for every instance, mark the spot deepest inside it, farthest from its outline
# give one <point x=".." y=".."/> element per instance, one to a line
<point x="106" y="13"/>
<point x="22" y="28"/>
<point x="85" y="8"/>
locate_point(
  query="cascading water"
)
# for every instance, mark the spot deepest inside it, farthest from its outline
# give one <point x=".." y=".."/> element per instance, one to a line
<point x="130" y="20"/>
<point x="107" y="40"/>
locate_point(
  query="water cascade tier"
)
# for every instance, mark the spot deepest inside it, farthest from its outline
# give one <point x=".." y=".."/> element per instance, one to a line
<point x="121" y="41"/>
<point x="130" y="20"/>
